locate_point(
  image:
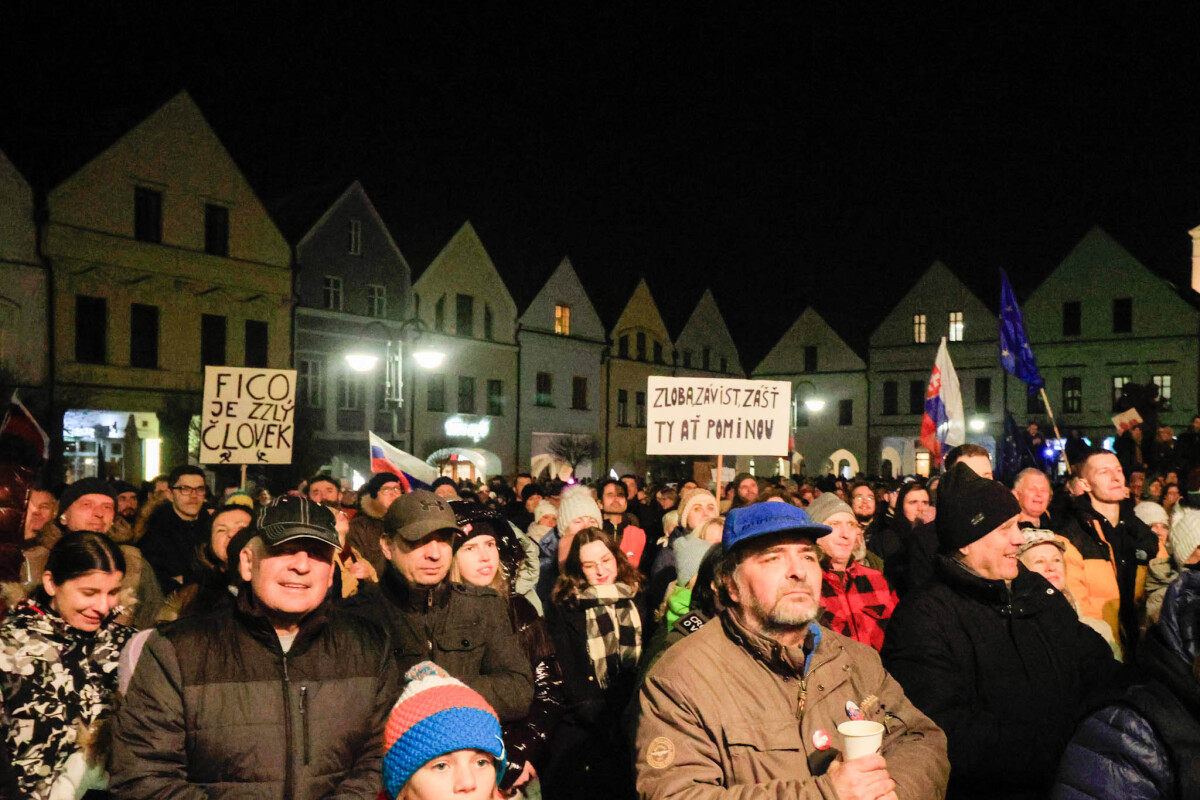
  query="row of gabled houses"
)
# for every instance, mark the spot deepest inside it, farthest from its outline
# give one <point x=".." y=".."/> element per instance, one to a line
<point x="155" y="258"/>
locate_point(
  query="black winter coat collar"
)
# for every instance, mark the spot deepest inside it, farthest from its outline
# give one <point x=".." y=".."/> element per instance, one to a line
<point x="399" y="592"/>
<point x="249" y="612"/>
<point x="1025" y="596"/>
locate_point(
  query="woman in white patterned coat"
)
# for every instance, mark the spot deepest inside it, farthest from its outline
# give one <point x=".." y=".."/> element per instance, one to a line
<point x="58" y="669"/>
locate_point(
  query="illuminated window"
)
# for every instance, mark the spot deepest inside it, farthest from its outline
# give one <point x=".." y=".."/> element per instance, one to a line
<point x="562" y="320"/>
<point x="919" y="328"/>
<point x="923" y="464"/>
<point x="956" y="326"/>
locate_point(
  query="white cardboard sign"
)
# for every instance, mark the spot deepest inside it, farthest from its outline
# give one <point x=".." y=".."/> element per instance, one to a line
<point x="705" y="416"/>
<point x="248" y="416"/>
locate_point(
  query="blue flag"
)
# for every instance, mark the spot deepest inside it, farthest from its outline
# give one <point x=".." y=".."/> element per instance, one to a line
<point x="1015" y="354"/>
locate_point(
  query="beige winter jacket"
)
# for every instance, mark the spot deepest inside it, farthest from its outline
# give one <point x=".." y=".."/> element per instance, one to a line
<point x="726" y="714"/>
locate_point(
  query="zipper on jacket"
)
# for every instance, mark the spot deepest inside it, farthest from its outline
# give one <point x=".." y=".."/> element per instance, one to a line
<point x="287" y="731"/>
<point x="304" y="719"/>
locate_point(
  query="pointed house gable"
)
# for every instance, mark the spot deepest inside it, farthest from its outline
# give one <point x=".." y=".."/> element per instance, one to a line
<point x="176" y="153"/>
<point x="464" y="268"/>
<point x="564" y="288"/>
<point x="641" y="316"/>
<point x="1156" y="306"/>
<point x="936" y="294"/>
<point x="704" y="331"/>
<point x="809" y="330"/>
<point x="18" y="236"/>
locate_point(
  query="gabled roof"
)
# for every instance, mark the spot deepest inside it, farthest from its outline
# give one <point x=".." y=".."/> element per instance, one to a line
<point x="810" y="328"/>
<point x="937" y="281"/>
<point x="641" y="311"/>
<point x="707" y="322"/>
<point x="354" y="189"/>
<point x="564" y="275"/>
<point x="465" y="250"/>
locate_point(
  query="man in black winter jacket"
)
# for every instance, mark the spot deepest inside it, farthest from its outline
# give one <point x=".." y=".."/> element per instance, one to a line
<point x="276" y="697"/>
<point x="463" y="629"/>
<point x="991" y="651"/>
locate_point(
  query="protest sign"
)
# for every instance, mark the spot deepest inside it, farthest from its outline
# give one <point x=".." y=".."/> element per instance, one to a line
<point x="248" y="416"/>
<point x="702" y="416"/>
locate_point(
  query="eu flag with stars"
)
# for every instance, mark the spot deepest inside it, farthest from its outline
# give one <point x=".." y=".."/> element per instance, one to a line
<point x="1015" y="354"/>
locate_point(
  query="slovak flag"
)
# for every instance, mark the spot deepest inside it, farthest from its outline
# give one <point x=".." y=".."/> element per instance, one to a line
<point x="414" y="473"/>
<point x="944" y="425"/>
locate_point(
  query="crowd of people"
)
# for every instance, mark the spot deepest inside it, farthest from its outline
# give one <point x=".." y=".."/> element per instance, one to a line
<point x="610" y="639"/>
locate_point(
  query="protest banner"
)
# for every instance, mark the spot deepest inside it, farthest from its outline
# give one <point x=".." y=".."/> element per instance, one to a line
<point x="248" y="416"/>
<point x="702" y="416"/>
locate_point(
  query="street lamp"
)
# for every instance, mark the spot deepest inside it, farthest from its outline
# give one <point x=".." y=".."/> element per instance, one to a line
<point x="811" y="401"/>
<point x="977" y="425"/>
<point x="427" y="357"/>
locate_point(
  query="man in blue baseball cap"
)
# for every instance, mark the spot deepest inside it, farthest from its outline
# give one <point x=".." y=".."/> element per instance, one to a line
<point x="756" y="696"/>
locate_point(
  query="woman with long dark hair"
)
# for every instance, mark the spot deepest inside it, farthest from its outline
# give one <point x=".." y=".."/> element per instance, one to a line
<point x="58" y="668"/>
<point x="596" y="625"/>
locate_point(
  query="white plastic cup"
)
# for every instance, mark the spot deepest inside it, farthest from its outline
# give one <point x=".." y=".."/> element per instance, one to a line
<point x="862" y="737"/>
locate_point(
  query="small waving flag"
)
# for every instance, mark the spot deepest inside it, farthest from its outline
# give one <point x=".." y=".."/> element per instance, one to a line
<point x="944" y="425"/>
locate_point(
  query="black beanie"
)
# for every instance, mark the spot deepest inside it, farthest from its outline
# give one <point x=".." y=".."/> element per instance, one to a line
<point x="443" y="481"/>
<point x="377" y="482"/>
<point x="84" y="486"/>
<point x="970" y="507"/>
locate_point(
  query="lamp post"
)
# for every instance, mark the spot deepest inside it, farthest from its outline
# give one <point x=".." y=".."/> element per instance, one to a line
<point x="427" y="357"/>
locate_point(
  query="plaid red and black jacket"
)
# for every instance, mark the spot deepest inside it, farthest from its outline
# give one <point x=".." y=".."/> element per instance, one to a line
<point x="857" y="603"/>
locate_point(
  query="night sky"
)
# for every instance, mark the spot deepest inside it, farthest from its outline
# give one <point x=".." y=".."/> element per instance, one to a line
<point x="782" y="158"/>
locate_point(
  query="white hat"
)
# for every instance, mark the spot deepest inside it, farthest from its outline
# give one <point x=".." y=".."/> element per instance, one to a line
<point x="1151" y="513"/>
<point x="577" y="503"/>
<point x="1185" y="534"/>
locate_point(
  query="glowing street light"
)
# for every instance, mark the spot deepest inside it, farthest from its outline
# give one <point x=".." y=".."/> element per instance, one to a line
<point x="429" y="358"/>
<point x="977" y="425"/>
<point x="361" y="362"/>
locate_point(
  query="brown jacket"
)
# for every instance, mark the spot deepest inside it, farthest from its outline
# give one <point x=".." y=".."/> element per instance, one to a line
<point x="726" y="714"/>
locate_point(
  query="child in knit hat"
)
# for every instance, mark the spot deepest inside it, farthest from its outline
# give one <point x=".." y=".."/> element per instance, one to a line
<point x="442" y="740"/>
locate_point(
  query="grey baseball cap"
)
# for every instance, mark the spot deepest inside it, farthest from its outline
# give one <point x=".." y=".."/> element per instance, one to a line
<point x="415" y="515"/>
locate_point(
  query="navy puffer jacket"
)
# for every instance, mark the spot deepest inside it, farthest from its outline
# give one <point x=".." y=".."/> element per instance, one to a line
<point x="1144" y="745"/>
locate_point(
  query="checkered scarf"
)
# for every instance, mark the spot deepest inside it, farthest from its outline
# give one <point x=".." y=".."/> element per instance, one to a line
<point x="614" y="629"/>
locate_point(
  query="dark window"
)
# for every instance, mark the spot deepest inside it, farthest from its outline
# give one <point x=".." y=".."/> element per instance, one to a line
<point x="143" y="336"/>
<point x="579" y="393"/>
<point x="487" y="322"/>
<point x="687" y="358"/>
<point x="256" y="343"/>
<point x="724" y="364"/>
<point x="464" y="315"/>
<point x="91" y="329"/>
<point x="641" y="347"/>
<point x="216" y="230"/>
<point x="495" y="398"/>
<point x="1123" y="315"/>
<point x="845" y="412"/>
<point x="622" y="408"/>
<point x="439" y="314"/>
<point x="1072" y="318"/>
<point x="466" y="395"/>
<point x="706" y="358"/>
<point x="916" y="397"/>
<point x="801" y="415"/>
<point x="623" y="347"/>
<point x="658" y="353"/>
<point x="1118" y="389"/>
<point x="1072" y="395"/>
<point x="311" y="384"/>
<point x="983" y="395"/>
<point x="1034" y="404"/>
<point x="435" y="393"/>
<point x="891" y="403"/>
<point x="810" y="359"/>
<point x="640" y="399"/>
<point x="147" y="215"/>
<point x="212" y="340"/>
<point x="545" y="389"/>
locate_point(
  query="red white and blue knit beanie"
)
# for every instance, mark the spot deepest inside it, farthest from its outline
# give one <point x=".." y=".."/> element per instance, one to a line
<point x="435" y="715"/>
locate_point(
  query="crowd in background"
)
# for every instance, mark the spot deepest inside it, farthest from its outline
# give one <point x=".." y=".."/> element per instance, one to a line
<point x="552" y="600"/>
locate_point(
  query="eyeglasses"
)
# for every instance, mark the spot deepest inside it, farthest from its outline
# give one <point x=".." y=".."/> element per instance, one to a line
<point x="192" y="491"/>
<point x="391" y="490"/>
